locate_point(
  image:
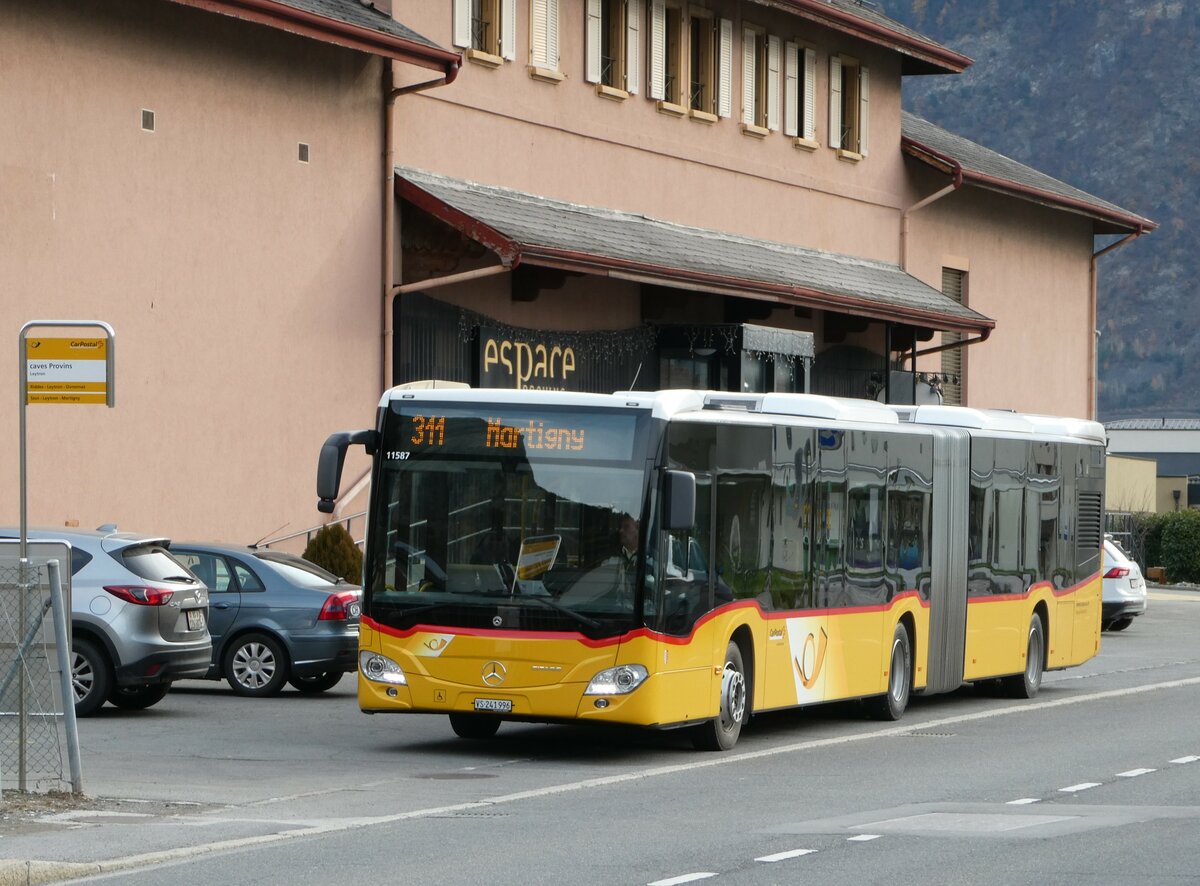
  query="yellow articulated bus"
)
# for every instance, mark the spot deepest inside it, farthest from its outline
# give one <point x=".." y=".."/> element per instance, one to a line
<point x="683" y="559"/>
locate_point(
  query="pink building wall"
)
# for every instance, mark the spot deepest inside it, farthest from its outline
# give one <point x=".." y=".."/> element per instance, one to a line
<point x="242" y="284"/>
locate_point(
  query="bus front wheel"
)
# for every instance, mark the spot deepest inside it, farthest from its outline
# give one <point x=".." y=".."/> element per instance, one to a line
<point x="477" y="726"/>
<point x="721" y="733"/>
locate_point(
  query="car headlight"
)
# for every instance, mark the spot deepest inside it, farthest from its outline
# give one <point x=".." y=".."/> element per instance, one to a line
<point x="617" y="681"/>
<point x="381" y="669"/>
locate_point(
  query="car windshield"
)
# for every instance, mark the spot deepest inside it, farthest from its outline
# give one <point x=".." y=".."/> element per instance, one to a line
<point x="299" y="572"/>
<point x="506" y="519"/>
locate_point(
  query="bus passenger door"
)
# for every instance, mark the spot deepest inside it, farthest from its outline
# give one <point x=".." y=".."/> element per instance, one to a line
<point x="948" y="577"/>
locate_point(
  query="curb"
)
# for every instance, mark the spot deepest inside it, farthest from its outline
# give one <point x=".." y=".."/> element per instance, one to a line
<point x="14" y="872"/>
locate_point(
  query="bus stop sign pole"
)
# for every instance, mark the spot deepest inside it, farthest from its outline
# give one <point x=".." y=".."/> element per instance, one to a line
<point x="73" y="370"/>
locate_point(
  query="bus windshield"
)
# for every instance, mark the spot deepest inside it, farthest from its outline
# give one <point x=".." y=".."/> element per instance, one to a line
<point x="507" y="518"/>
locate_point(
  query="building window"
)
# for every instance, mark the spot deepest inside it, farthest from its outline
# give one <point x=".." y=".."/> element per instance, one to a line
<point x="543" y="35"/>
<point x="486" y="29"/>
<point x="613" y="39"/>
<point x="954" y="285"/>
<point x="666" y="54"/>
<point x="760" y="81"/>
<point x="849" y="97"/>
<point x="800" y="94"/>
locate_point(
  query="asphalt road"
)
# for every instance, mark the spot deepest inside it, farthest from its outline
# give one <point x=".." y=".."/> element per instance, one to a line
<point x="1096" y="781"/>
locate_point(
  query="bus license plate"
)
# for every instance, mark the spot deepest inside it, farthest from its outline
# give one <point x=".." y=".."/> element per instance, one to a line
<point x="495" y="705"/>
<point x="195" y="619"/>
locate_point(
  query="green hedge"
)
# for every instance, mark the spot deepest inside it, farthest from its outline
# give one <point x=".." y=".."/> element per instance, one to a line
<point x="1180" y="546"/>
<point x="1170" y="540"/>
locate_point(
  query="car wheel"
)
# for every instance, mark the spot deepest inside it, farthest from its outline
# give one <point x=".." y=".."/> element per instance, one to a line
<point x="474" y="725"/>
<point x="1027" y="683"/>
<point x="90" y="677"/>
<point x="137" y="698"/>
<point x="1120" y="624"/>
<point x="721" y="733"/>
<point x="256" y="665"/>
<point x="317" y="683"/>
<point x="892" y="705"/>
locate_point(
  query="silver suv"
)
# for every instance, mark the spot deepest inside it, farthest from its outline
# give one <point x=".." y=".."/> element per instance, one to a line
<point x="139" y="619"/>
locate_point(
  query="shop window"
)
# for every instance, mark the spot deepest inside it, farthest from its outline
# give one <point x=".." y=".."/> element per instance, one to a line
<point x="613" y="40"/>
<point x="849" y="99"/>
<point x="486" y="29"/>
<point x="799" y="94"/>
<point x="760" y="81"/>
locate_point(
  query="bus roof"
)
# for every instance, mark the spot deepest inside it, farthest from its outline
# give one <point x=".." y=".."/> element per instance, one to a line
<point x="689" y="403"/>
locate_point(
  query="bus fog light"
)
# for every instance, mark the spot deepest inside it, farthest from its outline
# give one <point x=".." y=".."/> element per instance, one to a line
<point x="381" y="669"/>
<point x="391" y="692"/>
<point x="617" y="681"/>
<point x="602" y="703"/>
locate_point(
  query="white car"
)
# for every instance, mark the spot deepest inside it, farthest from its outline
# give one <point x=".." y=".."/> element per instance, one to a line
<point x="1124" y="594"/>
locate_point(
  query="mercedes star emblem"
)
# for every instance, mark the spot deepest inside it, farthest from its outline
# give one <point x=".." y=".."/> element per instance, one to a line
<point x="494" y="673"/>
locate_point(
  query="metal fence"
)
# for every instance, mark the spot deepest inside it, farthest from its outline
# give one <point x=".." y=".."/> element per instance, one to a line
<point x="34" y="751"/>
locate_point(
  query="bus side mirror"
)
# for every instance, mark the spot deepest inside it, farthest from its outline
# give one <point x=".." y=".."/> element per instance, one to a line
<point x="679" y="501"/>
<point x="331" y="460"/>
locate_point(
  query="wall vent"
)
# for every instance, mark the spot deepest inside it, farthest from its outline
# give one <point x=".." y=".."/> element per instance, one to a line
<point x="147" y="120"/>
<point x="303" y="152"/>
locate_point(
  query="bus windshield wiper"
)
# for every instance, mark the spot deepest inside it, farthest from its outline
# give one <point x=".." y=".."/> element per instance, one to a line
<point x="570" y="613"/>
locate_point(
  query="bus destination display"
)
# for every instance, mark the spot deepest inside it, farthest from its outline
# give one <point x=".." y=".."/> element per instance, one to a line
<point x="554" y="434"/>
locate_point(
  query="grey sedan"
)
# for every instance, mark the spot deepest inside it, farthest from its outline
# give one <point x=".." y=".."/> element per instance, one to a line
<point x="274" y="618"/>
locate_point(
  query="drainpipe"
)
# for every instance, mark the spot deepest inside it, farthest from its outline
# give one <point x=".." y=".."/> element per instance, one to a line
<point x="954" y="185"/>
<point x="1093" y="356"/>
<point x="391" y="92"/>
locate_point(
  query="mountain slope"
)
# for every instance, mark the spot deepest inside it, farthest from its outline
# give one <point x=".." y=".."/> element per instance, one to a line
<point x="1101" y="94"/>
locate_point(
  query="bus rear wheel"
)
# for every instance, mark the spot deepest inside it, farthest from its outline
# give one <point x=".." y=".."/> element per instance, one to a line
<point x="477" y="726"/>
<point x="721" y="733"/>
<point x="1027" y="683"/>
<point x="891" y="706"/>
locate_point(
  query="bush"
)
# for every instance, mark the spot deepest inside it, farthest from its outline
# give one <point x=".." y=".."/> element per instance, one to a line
<point x="1147" y="534"/>
<point x="333" y="549"/>
<point x="1181" y="546"/>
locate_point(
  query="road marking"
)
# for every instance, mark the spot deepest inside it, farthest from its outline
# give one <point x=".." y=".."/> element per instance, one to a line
<point x="1024" y="801"/>
<point x="1076" y="788"/>
<point x="863" y="838"/>
<point x="1134" y="773"/>
<point x="166" y="856"/>
<point x="1189" y="759"/>
<point x="784" y="856"/>
<point x="686" y="878"/>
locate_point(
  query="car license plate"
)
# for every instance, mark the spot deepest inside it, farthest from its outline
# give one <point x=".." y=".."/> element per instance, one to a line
<point x="195" y="619"/>
<point x="495" y="705"/>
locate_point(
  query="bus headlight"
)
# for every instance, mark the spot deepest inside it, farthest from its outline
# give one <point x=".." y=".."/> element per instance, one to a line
<point x="381" y="669"/>
<point x="617" y="681"/>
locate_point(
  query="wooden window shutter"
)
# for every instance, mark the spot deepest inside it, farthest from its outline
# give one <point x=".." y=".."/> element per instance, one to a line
<point x="810" y="94"/>
<point x="508" y="29"/>
<point x="953" y="286"/>
<point x="835" y="102"/>
<point x="633" y="44"/>
<point x="539" y="33"/>
<point x="658" y="50"/>
<point x="552" y="33"/>
<point x="725" y="75"/>
<point x="791" y="89"/>
<point x="772" y="83"/>
<point x="593" y="38"/>
<point x="749" y="51"/>
<point x="864" y="100"/>
<point x="462" y="23"/>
